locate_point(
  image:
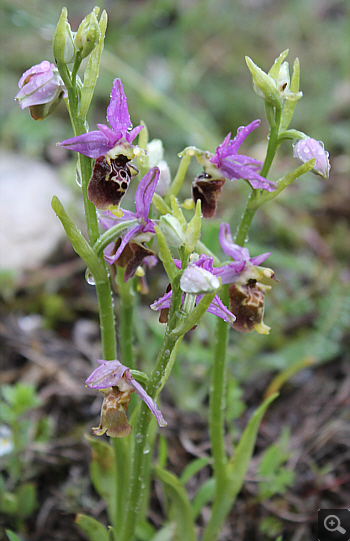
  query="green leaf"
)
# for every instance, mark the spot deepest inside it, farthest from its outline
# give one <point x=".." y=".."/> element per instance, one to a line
<point x="8" y="503"/>
<point x="27" y="500"/>
<point x="289" y="106"/>
<point x="183" y="516"/>
<point x="236" y="470"/>
<point x="166" y="533"/>
<point x="162" y="451"/>
<point x="12" y="536"/>
<point x="22" y="397"/>
<point x="112" y="234"/>
<point x="92" y="69"/>
<point x="239" y="463"/>
<point x="204" y="495"/>
<point x="80" y="245"/>
<point x="283" y="182"/>
<point x="194" y="467"/>
<point x="103" y="473"/>
<point x="165" y="256"/>
<point x="92" y="528"/>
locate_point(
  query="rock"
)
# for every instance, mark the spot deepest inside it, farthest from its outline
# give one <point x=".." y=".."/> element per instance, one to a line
<point x="29" y="229"/>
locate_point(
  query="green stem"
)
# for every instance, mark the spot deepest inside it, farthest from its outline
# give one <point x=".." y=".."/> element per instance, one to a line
<point x="144" y="417"/>
<point x="126" y="298"/>
<point x="103" y="290"/>
<point x="122" y="453"/>
<point x="248" y="215"/>
<point x="217" y="401"/>
<point x="179" y="178"/>
<point x="274" y="118"/>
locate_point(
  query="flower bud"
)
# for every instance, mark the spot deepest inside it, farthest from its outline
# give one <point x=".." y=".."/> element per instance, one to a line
<point x="155" y="152"/>
<point x="273" y="86"/>
<point x="62" y="41"/>
<point x="193" y="231"/>
<point x="172" y="230"/>
<point x="41" y="89"/>
<point x="197" y="281"/>
<point x="308" y="148"/>
<point x="88" y="34"/>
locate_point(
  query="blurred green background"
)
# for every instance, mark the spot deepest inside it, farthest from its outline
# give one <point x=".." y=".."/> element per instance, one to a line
<point x="182" y="64"/>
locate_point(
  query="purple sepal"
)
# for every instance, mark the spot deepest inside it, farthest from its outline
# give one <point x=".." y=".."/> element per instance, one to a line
<point x="143" y="200"/>
<point x="98" y="143"/>
<point x="238" y="253"/>
<point x="235" y="166"/>
<point x="92" y="144"/>
<point x="145" y="192"/>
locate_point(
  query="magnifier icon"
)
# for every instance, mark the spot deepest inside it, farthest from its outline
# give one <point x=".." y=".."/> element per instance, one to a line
<point x="332" y="524"/>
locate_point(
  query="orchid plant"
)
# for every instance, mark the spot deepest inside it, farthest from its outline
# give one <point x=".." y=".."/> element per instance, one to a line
<point x="123" y="242"/>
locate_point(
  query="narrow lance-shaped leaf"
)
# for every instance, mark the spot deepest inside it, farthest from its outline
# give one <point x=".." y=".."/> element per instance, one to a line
<point x="103" y="474"/>
<point x="94" y="530"/>
<point x="181" y="504"/>
<point x="80" y="245"/>
<point x="283" y="182"/>
<point x="165" y="255"/>
<point x="236" y="471"/>
<point x="92" y="69"/>
<point x="289" y="106"/>
<point x="12" y="536"/>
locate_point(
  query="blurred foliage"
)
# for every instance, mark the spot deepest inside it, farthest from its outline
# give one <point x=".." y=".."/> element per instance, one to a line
<point x="275" y="476"/>
<point x="182" y="64"/>
<point x="20" y="433"/>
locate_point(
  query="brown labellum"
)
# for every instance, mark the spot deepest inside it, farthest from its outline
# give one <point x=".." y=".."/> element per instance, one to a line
<point x="113" y="414"/>
<point x="247" y="303"/>
<point x="109" y="181"/>
<point x="131" y="257"/>
<point x="207" y="190"/>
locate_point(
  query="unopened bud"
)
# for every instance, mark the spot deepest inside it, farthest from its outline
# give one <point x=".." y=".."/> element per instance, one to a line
<point x="88" y="34"/>
<point x="172" y="230"/>
<point x="193" y="231"/>
<point x="196" y="280"/>
<point x="306" y="149"/>
<point x="62" y="41"/>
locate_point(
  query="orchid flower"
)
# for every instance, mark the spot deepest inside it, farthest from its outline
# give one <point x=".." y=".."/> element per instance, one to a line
<point x="140" y="230"/>
<point x="117" y="383"/>
<point x="117" y="139"/>
<point x="198" y="279"/>
<point x="234" y="166"/>
<point x="246" y="293"/>
<point x="112" y="149"/>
